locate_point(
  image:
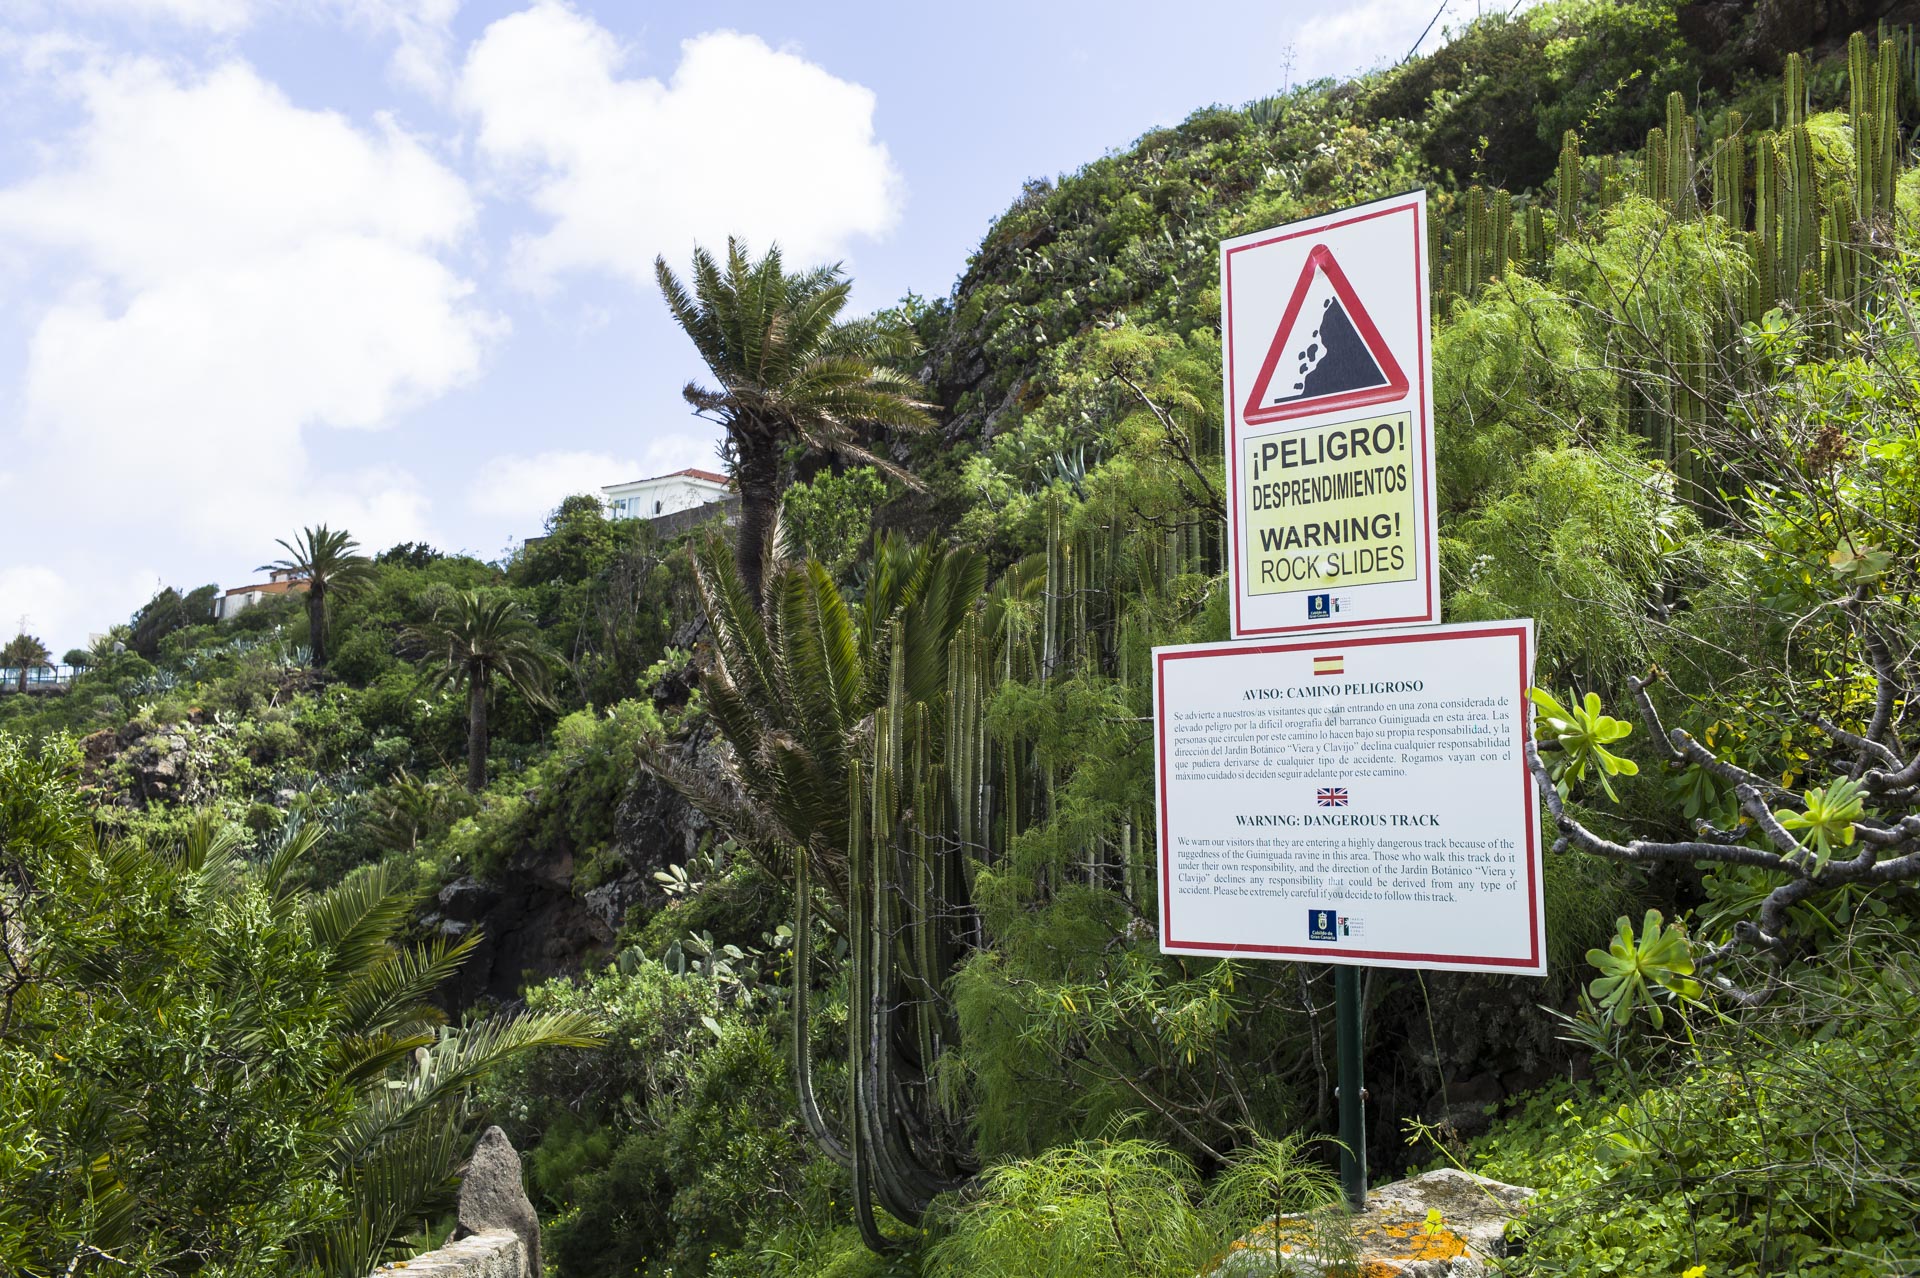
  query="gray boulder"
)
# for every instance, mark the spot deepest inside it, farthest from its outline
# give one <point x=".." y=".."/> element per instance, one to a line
<point x="492" y="1196"/>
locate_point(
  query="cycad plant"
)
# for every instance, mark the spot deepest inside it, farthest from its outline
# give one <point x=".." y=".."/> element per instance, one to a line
<point x="329" y="562"/>
<point x="411" y="810"/>
<point x="476" y="641"/>
<point x="25" y="653"/>
<point x="790" y="372"/>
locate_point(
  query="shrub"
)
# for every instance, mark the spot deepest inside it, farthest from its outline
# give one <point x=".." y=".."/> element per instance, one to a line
<point x="673" y="1146"/>
<point x="1778" y="1139"/>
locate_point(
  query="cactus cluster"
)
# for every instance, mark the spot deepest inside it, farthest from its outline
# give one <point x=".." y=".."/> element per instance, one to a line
<point x="1810" y="240"/>
<point x="931" y="794"/>
<point x="1482" y="250"/>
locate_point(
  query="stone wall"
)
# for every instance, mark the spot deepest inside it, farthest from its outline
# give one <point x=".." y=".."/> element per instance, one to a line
<point x="681" y="521"/>
<point x="498" y="1253"/>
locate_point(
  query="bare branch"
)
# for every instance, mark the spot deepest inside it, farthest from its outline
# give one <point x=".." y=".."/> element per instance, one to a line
<point x="1579" y="836"/>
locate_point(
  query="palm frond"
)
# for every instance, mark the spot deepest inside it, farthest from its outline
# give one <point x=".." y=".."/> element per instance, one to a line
<point x="452" y="1065"/>
<point x="404" y="1180"/>
<point x="210" y="852"/>
<point x="356" y="919"/>
<point x="381" y="995"/>
<point x="297" y="838"/>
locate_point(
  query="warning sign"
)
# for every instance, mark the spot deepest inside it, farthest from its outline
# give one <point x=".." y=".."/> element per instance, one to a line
<point x="1351" y="798"/>
<point x="1328" y="389"/>
<point x="1326" y="354"/>
<point x="1330" y="506"/>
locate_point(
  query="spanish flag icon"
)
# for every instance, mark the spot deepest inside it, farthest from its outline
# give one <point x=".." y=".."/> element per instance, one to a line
<point x="1333" y="665"/>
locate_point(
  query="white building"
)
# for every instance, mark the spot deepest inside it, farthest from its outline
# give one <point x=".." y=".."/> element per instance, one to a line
<point x="666" y="494"/>
<point x="282" y="582"/>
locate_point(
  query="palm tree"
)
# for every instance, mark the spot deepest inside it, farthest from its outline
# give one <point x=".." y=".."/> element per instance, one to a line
<point x="477" y="641"/>
<point x="25" y="653"/>
<point x="326" y="559"/>
<point x="790" y="372"/>
<point x="220" y="1056"/>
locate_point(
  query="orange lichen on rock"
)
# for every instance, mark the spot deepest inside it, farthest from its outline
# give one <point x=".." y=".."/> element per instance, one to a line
<point x="1440" y="1224"/>
<point x="1424" y="1244"/>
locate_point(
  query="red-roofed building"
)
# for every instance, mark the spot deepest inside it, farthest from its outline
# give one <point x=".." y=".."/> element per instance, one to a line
<point x="666" y="494"/>
<point x="282" y="581"/>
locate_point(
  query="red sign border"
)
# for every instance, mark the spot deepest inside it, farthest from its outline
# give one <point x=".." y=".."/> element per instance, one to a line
<point x="1320" y="260"/>
<point x="1234" y="439"/>
<point x="1533" y="964"/>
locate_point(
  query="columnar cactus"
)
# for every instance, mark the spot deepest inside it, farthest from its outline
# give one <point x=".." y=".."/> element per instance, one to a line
<point x="1567" y="183"/>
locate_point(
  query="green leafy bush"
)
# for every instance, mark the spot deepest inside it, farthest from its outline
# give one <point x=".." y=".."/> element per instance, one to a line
<point x="1783" y="1138"/>
<point x="206" y="1069"/>
<point x="674" y="1145"/>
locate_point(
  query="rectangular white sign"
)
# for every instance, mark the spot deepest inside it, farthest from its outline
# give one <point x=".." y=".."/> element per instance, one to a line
<point x="1329" y="414"/>
<point x="1351" y="798"/>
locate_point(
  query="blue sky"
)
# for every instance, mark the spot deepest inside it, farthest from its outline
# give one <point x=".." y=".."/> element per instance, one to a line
<point x="385" y="263"/>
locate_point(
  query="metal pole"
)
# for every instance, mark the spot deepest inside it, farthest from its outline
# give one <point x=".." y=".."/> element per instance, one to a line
<point x="1352" y="1093"/>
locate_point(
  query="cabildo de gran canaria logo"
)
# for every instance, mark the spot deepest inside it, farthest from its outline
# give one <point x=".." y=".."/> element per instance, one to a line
<point x="1322" y="925"/>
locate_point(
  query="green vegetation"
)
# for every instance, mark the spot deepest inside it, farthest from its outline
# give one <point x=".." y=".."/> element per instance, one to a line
<point x="208" y="1067"/>
<point x="790" y="372"/>
<point x="476" y="641"/>
<point x="325" y="561"/>
<point x="843" y="834"/>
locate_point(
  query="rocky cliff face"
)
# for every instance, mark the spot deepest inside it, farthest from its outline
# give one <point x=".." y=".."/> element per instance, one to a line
<point x="138" y="766"/>
<point x="538" y="920"/>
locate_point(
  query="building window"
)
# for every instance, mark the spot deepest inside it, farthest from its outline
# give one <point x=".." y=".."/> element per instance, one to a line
<point x="656" y="508"/>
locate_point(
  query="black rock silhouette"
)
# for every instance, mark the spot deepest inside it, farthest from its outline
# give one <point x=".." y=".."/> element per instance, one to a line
<point x="1337" y="360"/>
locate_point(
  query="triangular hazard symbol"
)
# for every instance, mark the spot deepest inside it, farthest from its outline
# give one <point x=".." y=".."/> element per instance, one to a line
<point x="1326" y="355"/>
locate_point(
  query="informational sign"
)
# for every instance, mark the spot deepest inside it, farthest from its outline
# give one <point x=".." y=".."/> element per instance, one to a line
<point x="1329" y="411"/>
<point x="1352" y="798"/>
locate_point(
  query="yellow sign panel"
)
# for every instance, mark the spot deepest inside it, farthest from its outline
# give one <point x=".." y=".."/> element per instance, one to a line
<point x="1330" y="506"/>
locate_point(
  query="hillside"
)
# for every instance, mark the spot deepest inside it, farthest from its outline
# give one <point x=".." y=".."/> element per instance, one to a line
<point x="902" y="814"/>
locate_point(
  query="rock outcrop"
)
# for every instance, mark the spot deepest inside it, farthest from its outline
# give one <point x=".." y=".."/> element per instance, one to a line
<point x="1442" y="1224"/>
<point x="535" y="917"/>
<point x="498" y="1235"/>
<point x="492" y="1196"/>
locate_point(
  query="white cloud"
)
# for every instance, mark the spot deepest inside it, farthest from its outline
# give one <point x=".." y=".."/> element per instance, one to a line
<point x="381" y="506"/>
<point x="34" y="599"/>
<point x="232" y="271"/>
<point x="743" y="139"/>
<point x="210" y="15"/>
<point x="52" y="607"/>
<point x="422" y="30"/>
<point x="1344" y="40"/>
<point x="529" y="487"/>
<point x="678" y="451"/>
<point x="169" y="176"/>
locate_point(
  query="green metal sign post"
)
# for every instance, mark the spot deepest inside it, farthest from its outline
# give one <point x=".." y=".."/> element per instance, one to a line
<point x="1351" y="1090"/>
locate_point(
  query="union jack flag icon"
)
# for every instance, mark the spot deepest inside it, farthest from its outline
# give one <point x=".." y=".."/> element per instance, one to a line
<point x="1331" y="796"/>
